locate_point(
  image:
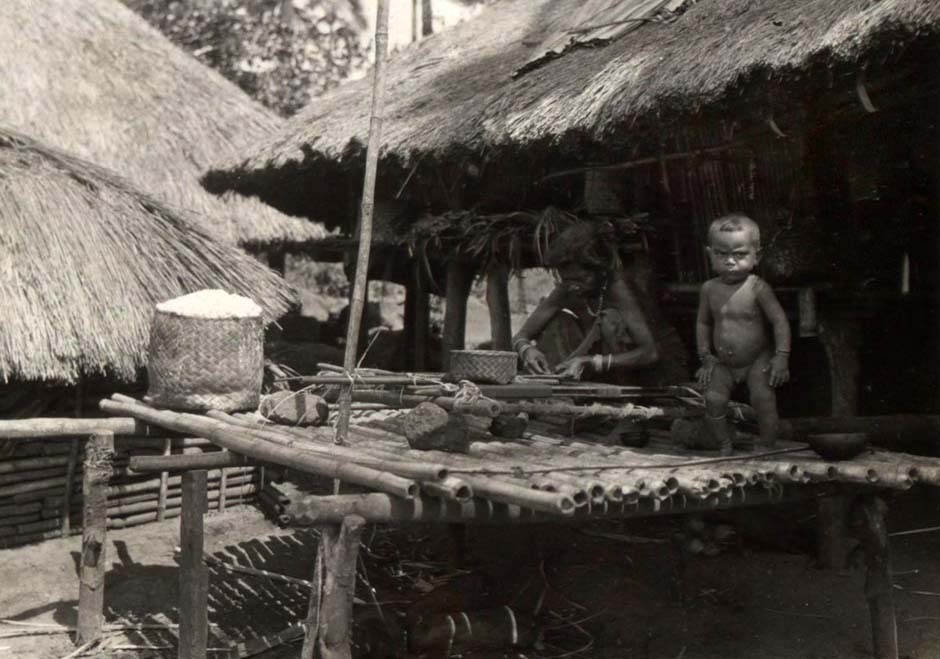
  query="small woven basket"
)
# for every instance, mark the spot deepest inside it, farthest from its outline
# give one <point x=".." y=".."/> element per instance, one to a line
<point x="205" y="363"/>
<point x="490" y="366"/>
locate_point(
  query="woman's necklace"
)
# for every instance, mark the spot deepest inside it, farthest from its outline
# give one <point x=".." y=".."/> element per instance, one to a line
<point x="600" y="302"/>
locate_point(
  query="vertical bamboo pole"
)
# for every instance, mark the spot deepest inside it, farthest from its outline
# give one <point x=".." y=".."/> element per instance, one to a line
<point x="99" y="453"/>
<point x="368" y="204"/>
<point x="66" y="522"/>
<point x="194" y="576"/>
<point x="164" y="480"/>
<point x="497" y="300"/>
<point x="312" y="621"/>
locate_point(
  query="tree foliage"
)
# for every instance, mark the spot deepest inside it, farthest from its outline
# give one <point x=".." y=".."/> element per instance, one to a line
<point x="281" y="52"/>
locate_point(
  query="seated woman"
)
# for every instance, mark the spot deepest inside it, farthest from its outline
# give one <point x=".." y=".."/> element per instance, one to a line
<point x="596" y="323"/>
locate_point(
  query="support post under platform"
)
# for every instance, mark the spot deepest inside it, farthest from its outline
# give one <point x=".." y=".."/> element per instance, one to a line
<point x="194" y="575"/>
<point x="831" y="518"/>
<point x="869" y="519"/>
<point x="328" y="632"/>
<point x="99" y="453"/>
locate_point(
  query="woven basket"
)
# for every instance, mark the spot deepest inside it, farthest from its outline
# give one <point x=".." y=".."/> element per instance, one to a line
<point x="491" y="366"/>
<point x="205" y="363"/>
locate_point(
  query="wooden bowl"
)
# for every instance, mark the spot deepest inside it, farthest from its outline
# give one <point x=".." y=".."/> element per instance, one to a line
<point x="838" y="445"/>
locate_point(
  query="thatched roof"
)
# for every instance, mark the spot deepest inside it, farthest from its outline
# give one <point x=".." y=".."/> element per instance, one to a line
<point x="91" y="77"/>
<point x="455" y="91"/>
<point x="84" y="257"/>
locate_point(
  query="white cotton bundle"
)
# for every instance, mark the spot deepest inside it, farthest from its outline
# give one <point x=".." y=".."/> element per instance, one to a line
<point x="211" y="303"/>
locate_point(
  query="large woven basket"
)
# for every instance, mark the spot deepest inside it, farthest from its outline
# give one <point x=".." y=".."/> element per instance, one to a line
<point x="490" y="366"/>
<point x="205" y="363"/>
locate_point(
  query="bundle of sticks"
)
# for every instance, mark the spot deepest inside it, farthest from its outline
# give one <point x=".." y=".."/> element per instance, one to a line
<point x="532" y="395"/>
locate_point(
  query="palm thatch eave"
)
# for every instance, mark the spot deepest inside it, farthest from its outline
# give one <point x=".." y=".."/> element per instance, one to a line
<point x="454" y="92"/>
<point x="85" y="257"/>
<point x="95" y="79"/>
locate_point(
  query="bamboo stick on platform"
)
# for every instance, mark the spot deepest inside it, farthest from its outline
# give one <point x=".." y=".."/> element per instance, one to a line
<point x="416" y="469"/>
<point x="240" y="441"/>
<point x="66" y="428"/>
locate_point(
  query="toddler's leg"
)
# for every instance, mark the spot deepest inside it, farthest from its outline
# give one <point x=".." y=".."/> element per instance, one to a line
<point x="763" y="400"/>
<point x="717" y="396"/>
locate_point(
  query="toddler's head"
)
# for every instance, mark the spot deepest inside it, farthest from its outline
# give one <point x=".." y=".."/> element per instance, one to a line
<point x="734" y="246"/>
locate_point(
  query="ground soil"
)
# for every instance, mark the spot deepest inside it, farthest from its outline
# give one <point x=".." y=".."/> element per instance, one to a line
<point x="606" y="597"/>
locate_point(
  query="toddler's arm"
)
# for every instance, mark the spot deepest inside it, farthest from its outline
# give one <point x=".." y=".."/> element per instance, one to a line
<point x="703" y="337"/>
<point x="780" y="364"/>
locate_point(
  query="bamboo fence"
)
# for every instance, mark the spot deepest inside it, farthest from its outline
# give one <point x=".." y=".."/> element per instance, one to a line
<point x="41" y="482"/>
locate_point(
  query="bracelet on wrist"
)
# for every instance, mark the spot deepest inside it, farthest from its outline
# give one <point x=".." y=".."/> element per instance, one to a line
<point x="781" y="352"/>
<point x="525" y="348"/>
<point x="610" y="360"/>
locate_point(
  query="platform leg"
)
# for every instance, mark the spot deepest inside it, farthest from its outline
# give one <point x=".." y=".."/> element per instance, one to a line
<point x="329" y="616"/>
<point x="831" y="517"/>
<point x="869" y="519"/>
<point x="99" y="453"/>
<point x="194" y="576"/>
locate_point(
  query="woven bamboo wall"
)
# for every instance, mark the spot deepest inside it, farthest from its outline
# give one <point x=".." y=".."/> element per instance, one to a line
<point x="34" y="481"/>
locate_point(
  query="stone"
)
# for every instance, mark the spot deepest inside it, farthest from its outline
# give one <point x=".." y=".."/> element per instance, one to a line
<point x="429" y="427"/>
<point x="294" y="408"/>
<point x="510" y="426"/>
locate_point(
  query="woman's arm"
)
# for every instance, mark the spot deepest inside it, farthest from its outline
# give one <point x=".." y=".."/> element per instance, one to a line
<point x="645" y="353"/>
<point x="532" y="358"/>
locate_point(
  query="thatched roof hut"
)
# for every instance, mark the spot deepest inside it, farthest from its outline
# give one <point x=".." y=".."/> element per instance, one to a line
<point x="456" y="93"/>
<point x="94" y="79"/>
<point x="84" y="258"/>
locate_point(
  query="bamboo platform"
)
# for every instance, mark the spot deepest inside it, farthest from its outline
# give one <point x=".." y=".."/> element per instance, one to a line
<point x="541" y="476"/>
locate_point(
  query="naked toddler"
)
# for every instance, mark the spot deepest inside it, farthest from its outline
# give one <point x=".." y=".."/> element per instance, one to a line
<point x="732" y="334"/>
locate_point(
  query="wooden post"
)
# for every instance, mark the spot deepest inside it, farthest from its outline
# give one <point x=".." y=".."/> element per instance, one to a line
<point x="497" y="300"/>
<point x="99" y="453"/>
<point x="329" y="616"/>
<point x="194" y="576"/>
<point x="840" y="338"/>
<point x="869" y="517"/>
<point x="164" y="479"/>
<point x="422" y="318"/>
<point x="366" y="210"/>
<point x="459" y="280"/>
<point x="830" y="532"/>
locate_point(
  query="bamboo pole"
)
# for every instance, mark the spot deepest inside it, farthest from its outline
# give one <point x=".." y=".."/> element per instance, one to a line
<point x="166" y="463"/>
<point x="368" y="204"/>
<point x="164" y="476"/>
<point x="66" y="428"/>
<point x="417" y="469"/>
<point x="240" y="440"/>
<point x="98" y="454"/>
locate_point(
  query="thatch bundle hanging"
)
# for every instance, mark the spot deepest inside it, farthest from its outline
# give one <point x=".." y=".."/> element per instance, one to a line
<point x="84" y="259"/>
<point x="93" y="78"/>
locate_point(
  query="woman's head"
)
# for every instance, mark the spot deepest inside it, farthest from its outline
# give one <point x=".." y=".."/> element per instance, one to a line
<point x="582" y="255"/>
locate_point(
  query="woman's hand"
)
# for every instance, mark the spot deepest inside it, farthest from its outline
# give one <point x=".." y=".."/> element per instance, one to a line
<point x="535" y="361"/>
<point x="572" y="368"/>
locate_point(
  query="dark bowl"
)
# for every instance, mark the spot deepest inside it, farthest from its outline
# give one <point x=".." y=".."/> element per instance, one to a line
<point x="838" y="445"/>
